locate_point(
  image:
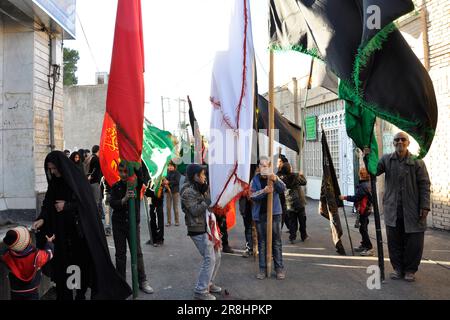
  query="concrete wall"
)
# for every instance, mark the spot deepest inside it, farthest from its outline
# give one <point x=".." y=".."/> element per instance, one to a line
<point x="84" y="109"/>
<point x="17" y="117"/>
<point x="25" y="99"/>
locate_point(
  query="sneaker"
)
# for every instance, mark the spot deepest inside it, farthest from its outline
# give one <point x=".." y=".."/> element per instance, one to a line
<point x="281" y="275"/>
<point x="396" y="275"/>
<point x="367" y="253"/>
<point x="291" y="241"/>
<point x="177" y="224"/>
<point x="410" y="277"/>
<point x="227" y="249"/>
<point x="204" y="296"/>
<point x="359" y="249"/>
<point x="306" y="238"/>
<point x="214" y="289"/>
<point x="168" y="224"/>
<point x="261" y="275"/>
<point x="156" y="244"/>
<point x="247" y="254"/>
<point x="145" y="286"/>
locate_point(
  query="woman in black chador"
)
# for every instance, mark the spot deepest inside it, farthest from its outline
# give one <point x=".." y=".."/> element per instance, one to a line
<point x="70" y="213"/>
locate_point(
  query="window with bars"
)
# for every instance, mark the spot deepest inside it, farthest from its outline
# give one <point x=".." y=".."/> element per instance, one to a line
<point x="331" y="117"/>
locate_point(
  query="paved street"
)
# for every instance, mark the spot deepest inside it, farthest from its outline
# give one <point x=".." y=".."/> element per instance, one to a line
<point x="313" y="269"/>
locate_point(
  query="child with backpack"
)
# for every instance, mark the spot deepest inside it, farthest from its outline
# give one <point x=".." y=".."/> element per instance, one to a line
<point x="363" y="204"/>
<point x="24" y="262"/>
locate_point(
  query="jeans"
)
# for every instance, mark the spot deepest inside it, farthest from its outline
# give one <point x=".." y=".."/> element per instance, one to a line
<point x="277" y="252"/>
<point x="210" y="264"/>
<point x="175" y="199"/>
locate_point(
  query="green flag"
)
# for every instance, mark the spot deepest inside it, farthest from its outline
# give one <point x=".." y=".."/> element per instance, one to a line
<point x="157" y="150"/>
<point x="360" y="123"/>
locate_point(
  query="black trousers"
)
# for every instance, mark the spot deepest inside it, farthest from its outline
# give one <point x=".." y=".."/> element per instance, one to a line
<point x="222" y="222"/>
<point x="364" y="231"/>
<point x="157" y="223"/>
<point x="121" y="234"/>
<point x="247" y="218"/>
<point x="405" y="249"/>
<point x="297" y="221"/>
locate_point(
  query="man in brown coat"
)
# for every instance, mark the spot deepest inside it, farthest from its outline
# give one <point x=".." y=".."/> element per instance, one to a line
<point x="406" y="205"/>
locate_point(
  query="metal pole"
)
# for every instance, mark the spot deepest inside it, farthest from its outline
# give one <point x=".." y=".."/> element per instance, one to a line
<point x="302" y="124"/>
<point x="297" y="121"/>
<point x="348" y="230"/>
<point x="131" y="186"/>
<point x="270" y="182"/>
<point x="376" y="214"/>
<point x="51" y="121"/>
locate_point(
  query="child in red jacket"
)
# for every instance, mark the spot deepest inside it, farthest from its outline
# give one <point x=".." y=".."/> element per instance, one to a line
<point x="24" y="262"/>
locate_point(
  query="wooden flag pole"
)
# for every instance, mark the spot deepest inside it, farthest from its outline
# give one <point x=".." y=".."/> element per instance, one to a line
<point x="270" y="182"/>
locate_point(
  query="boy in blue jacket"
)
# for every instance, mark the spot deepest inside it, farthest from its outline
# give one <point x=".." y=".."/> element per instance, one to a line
<point x="259" y="191"/>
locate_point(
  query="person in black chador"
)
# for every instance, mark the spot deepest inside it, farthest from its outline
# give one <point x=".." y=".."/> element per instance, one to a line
<point x="70" y="213"/>
<point x="76" y="158"/>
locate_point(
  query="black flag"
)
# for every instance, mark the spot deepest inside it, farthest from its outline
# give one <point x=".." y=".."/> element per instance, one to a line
<point x="329" y="196"/>
<point x="380" y="74"/>
<point x="289" y="132"/>
<point x="199" y="145"/>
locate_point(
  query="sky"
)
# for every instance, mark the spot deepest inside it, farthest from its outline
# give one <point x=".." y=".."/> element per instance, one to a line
<point x="180" y="41"/>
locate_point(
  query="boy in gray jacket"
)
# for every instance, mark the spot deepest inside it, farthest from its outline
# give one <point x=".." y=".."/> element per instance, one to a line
<point x="195" y="202"/>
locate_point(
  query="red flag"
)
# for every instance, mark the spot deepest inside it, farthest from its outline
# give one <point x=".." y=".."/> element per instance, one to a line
<point x="125" y="99"/>
<point x="109" y="151"/>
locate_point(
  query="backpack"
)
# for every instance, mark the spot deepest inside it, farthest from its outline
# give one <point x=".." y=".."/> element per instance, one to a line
<point x="364" y="207"/>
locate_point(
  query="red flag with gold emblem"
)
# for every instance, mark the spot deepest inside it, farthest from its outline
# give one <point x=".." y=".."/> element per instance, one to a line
<point x="109" y="151"/>
<point x="125" y="98"/>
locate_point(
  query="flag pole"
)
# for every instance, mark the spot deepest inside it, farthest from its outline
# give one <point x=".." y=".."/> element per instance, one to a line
<point x="302" y="126"/>
<point x="376" y="214"/>
<point x="270" y="182"/>
<point x="348" y="229"/>
<point x="131" y="186"/>
<point x="255" y="123"/>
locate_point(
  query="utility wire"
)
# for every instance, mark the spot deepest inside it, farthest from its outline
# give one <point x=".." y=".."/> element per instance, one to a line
<point x="87" y="42"/>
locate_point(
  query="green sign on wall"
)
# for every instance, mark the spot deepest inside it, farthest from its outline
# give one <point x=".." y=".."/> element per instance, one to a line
<point x="311" y="127"/>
